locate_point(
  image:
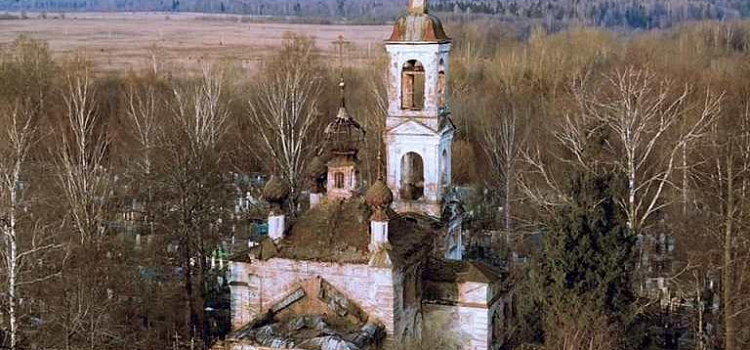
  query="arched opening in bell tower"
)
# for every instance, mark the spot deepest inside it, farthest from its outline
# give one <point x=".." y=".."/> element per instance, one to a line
<point x="412" y="176"/>
<point x="441" y="84"/>
<point x="412" y="86"/>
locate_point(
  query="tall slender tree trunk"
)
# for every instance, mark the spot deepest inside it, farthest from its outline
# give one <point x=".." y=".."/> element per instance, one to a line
<point x="727" y="266"/>
<point x="699" y="342"/>
<point x="192" y="317"/>
<point x="11" y="238"/>
<point x="506" y="207"/>
<point x="631" y="196"/>
<point x="12" y="268"/>
<point x="684" y="180"/>
<point x="203" y="294"/>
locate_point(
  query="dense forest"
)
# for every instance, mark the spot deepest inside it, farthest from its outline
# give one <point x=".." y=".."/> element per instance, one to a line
<point x="118" y="192"/>
<point x="552" y="13"/>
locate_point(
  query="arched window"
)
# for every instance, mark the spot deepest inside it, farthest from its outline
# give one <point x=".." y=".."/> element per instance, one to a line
<point x="441" y="84"/>
<point x="412" y="85"/>
<point x="444" y="168"/>
<point x="412" y="176"/>
<point x="338" y="180"/>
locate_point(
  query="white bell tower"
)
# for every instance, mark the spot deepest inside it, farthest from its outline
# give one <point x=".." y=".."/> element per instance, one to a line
<point x="419" y="131"/>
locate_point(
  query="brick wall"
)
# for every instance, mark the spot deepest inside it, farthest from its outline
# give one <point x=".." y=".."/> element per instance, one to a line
<point x="257" y="286"/>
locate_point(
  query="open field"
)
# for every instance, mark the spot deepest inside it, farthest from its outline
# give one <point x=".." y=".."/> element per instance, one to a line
<point x="125" y="41"/>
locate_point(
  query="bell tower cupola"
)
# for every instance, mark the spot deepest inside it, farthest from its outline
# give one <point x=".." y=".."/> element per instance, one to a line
<point x="343" y="137"/>
<point x="419" y="131"/>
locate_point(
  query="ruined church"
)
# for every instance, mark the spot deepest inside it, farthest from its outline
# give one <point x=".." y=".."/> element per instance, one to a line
<point x="379" y="266"/>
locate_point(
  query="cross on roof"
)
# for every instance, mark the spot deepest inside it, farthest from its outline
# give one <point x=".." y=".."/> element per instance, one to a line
<point x="417" y="6"/>
<point x="340" y="43"/>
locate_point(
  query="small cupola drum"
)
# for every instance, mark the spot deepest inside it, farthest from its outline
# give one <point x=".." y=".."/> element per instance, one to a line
<point x="344" y="136"/>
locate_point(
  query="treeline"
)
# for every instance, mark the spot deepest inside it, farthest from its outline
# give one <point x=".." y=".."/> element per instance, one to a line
<point x="554" y="14"/>
<point x="612" y="172"/>
<point x="381" y="11"/>
<point x="628" y="14"/>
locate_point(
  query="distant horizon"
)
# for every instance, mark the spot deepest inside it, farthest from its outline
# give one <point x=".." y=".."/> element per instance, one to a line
<point x="549" y="13"/>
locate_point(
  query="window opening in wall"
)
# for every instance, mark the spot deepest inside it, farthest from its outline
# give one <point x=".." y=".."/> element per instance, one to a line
<point x="441" y="84"/>
<point x="444" y="168"/>
<point x="412" y="85"/>
<point x="412" y="176"/>
<point x="338" y="180"/>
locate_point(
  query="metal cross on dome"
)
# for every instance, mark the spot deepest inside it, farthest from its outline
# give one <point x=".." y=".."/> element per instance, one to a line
<point x="340" y="43"/>
<point x="418" y="6"/>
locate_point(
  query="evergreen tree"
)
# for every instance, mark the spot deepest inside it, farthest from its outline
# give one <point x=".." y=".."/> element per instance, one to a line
<point x="588" y="251"/>
<point x="584" y="270"/>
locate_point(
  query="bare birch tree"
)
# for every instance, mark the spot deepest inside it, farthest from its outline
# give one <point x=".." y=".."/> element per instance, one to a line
<point x="541" y="181"/>
<point x="21" y="243"/>
<point x="82" y="174"/>
<point x="374" y="120"/>
<point x="200" y="114"/>
<point x="727" y="220"/>
<point x="642" y="115"/>
<point x="85" y="180"/>
<point x="195" y="181"/>
<point x="142" y="106"/>
<point x="26" y="74"/>
<point x="284" y="114"/>
<point x="143" y="103"/>
<point x="503" y="143"/>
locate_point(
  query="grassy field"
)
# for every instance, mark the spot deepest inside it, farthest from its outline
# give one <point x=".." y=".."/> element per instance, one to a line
<point x="178" y="42"/>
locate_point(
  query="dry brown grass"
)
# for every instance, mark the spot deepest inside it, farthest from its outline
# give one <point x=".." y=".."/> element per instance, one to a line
<point x="178" y="42"/>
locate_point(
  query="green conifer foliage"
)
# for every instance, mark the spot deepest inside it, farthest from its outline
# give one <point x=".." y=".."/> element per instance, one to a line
<point x="584" y="271"/>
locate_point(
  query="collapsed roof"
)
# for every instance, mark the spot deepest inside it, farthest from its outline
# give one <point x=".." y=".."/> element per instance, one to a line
<point x="338" y="231"/>
<point x="339" y="324"/>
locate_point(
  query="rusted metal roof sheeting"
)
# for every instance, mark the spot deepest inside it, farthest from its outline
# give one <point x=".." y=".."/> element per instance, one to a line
<point x="418" y="28"/>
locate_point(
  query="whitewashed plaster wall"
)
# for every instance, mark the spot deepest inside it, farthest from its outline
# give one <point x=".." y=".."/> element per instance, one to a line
<point x="467" y="324"/>
<point x="429" y="55"/>
<point x="435" y="150"/>
<point x="418" y="131"/>
<point x="467" y="328"/>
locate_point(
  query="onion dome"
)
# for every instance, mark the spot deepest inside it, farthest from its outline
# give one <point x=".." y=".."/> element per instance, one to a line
<point x="316" y="174"/>
<point x="418" y="26"/>
<point x="379" y="195"/>
<point x="316" y="168"/>
<point x="276" y="191"/>
<point x="344" y="134"/>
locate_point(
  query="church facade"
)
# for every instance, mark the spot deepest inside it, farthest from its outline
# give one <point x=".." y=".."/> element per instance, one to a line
<point x="385" y="270"/>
